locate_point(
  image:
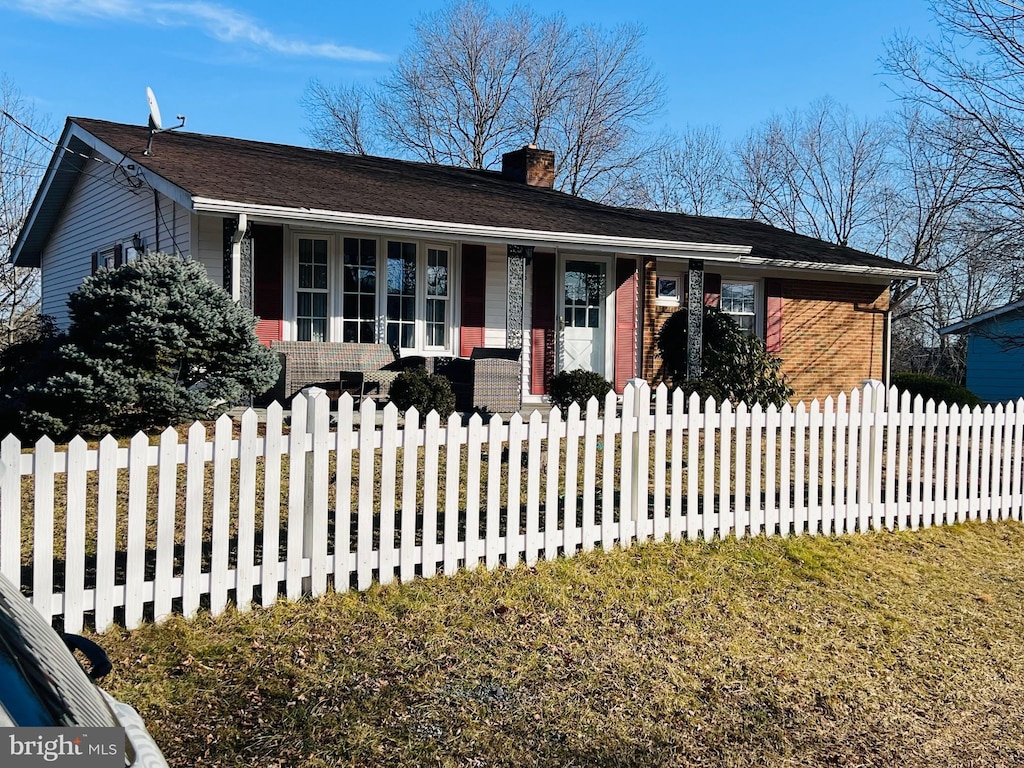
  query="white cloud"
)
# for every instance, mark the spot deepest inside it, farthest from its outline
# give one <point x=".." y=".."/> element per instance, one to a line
<point x="217" y="21"/>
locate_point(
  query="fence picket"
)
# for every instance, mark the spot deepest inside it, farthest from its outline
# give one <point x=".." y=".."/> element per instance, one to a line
<point x="800" y="516"/>
<point x="553" y="536"/>
<point x="590" y="437"/>
<point x="74" y="569"/>
<point x="940" y="480"/>
<point x="628" y="511"/>
<point x="710" y="523"/>
<point x="533" y="465"/>
<point x="572" y="533"/>
<point x="195" y="476"/>
<point x="10" y="509"/>
<point x="1018" y="449"/>
<point x="493" y="522"/>
<point x="726" y="515"/>
<point x="410" y="474"/>
<point x="515" y="544"/>
<point x="740" y="511"/>
<point x="609" y="432"/>
<point x="296" y="513"/>
<point x="1003" y="444"/>
<point x="106" y="532"/>
<point x="850" y="512"/>
<point x="135" y="561"/>
<point x="367" y="485"/>
<point x="314" y="542"/>
<point x="452" y="547"/>
<point x="42" y="521"/>
<point x="660" y="425"/>
<point x="694" y="428"/>
<point x="771" y="434"/>
<point x="676" y="522"/>
<point x="221" y="515"/>
<point x="270" y="571"/>
<point x="785" y="503"/>
<point x="813" y="464"/>
<point x="986" y="482"/>
<point x="167" y="483"/>
<point x="431" y="446"/>
<point x="388" y="479"/>
<point x="756" y="507"/>
<point x="474" y="447"/>
<point x="927" y="475"/>
<point x="245" y="568"/>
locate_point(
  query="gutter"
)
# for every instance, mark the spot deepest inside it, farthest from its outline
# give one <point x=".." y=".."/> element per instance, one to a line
<point x="887" y="335"/>
<point x="715" y="253"/>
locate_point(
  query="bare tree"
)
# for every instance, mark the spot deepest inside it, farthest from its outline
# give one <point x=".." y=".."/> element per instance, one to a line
<point x="339" y="117"/>
<point x="450" y="98"/>
<point x="973" y="76"/>
<point x="689" y="173"/>
<point x="475" y="84"/>
<point x="23" y="157"/>
<point x="819" y="172"/>
<point x="597" y="132"/>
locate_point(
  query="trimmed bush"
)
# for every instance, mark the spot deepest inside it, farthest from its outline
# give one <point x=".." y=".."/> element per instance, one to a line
<point x="415" y="388"/>
<point x="736" y="365"/>
<point x="935" y="388"/>
<point x="570" y="387"/>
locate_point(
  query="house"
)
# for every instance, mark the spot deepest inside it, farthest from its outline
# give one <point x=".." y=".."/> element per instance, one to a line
<point x="995" y="352"/>
<point x="439" y="260"/>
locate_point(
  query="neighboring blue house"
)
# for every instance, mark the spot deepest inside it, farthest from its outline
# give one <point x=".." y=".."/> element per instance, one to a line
<point x="995" y="352"/>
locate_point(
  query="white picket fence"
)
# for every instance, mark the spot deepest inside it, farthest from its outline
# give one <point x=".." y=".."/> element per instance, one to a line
<point x="126" y="534"/>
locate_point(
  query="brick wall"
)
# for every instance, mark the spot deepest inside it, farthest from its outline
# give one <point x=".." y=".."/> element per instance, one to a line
<point x="832" y="333"/>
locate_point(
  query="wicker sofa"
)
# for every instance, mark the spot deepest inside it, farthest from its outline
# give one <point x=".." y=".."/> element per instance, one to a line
<point x="320" y="363"/>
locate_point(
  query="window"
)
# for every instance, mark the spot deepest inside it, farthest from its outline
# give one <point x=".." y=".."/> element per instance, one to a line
<point x="365" y="290"/>
<point x="312" y="297"/>
<point x="739" y="301"/>
<point x="667" y="289"/>
<point x="359" y="290"/>
<point x="437" y="297"/>
<point x="400" y="327"/>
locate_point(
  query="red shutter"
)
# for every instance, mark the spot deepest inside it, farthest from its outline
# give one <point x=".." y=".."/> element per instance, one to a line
<point x="625" y="322"/>
<point x="712" y="289"/>
<point x="773" y="315"/>
<point x="268" y="281"/>
<point x="474" y="287"/>
<point x="542" y="337"/>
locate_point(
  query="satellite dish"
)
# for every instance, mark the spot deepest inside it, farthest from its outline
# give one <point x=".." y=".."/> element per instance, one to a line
<point x="155" y="123"/>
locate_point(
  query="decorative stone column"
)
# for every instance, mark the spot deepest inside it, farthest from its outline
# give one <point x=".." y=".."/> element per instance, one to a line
<point x="695" y="319"/>
<point x="518" y="255"/>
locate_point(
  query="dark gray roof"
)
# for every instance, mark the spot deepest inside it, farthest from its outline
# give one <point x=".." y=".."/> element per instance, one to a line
<point x="258" y="173"/>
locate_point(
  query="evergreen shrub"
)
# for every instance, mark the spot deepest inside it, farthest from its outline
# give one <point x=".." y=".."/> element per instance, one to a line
<point x="426" y="392"/>
<point x="935" y="388"/>
<point x="568" y="387"/>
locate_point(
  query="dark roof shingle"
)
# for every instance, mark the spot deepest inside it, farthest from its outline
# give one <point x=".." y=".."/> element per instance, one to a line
<point x="278" y="175"/>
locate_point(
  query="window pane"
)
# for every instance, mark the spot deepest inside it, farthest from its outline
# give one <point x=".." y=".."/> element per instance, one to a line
<point x="409" y="309"/>
<point x="408" y="339"/>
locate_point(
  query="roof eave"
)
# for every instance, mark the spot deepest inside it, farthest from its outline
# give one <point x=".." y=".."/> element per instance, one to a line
<point x="970" y="322"/>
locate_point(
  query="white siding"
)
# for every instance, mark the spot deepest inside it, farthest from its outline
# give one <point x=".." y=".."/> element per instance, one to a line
<point x="100" y="213"/>
<point x="211" y="247"/>
<point x="496" y="296"/>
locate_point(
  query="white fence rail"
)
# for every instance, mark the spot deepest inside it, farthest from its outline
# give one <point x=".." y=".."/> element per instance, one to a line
<point x="125" y="534"/>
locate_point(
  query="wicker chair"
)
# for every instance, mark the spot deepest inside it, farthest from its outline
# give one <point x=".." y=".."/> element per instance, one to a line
<point x="321" y="363"/>
<point x="489" y="381"/>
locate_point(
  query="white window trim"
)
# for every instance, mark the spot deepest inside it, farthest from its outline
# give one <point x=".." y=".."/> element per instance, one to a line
<point x="758" y="284"/>
<point x="335" y="293"/>
<point x="670" y="301"/>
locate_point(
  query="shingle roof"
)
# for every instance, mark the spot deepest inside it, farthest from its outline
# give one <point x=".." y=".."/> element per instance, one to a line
<point x="277" y="175"/>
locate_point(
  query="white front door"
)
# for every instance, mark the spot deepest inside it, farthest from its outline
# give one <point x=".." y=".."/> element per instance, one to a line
<point x="583" y="316"/>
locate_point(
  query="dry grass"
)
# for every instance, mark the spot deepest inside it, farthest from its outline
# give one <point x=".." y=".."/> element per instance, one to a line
<point x="876" y="650"/>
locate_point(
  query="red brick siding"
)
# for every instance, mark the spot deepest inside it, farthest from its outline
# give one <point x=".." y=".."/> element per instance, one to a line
<point x="830" y="335"/>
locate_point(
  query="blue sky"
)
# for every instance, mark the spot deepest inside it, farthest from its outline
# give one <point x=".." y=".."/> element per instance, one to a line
<point x="239" y="69"/>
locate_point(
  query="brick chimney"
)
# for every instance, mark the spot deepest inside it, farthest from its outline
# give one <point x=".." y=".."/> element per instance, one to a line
<point x="530" y="165"/>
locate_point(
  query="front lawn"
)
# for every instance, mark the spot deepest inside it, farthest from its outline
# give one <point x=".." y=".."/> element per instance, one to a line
<point x="878" y="650"/>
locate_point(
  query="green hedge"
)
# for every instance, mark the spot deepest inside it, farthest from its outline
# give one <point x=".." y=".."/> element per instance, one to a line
<point x="934" y="388"/>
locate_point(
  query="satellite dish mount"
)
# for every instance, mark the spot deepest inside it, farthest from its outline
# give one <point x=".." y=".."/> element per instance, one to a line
<point x="155" y="123"/>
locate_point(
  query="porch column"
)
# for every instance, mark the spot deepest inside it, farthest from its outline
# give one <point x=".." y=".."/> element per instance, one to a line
<point x="238" y="260"/>
<point x="518" y="255"/>
<point x="695" y="319"/>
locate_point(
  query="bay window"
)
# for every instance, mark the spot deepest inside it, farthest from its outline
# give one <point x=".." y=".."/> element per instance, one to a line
<point x="365" y="290"/>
